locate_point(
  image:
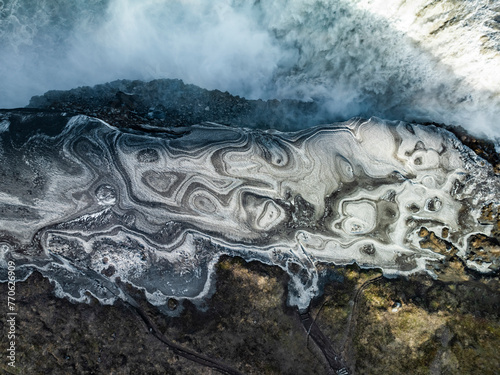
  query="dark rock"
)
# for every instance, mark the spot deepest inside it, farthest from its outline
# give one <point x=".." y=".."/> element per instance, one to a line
<point x="170" y="102"/>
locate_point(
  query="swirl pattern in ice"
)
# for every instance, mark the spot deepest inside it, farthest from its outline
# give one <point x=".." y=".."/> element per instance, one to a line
<point x="85" y="202"/>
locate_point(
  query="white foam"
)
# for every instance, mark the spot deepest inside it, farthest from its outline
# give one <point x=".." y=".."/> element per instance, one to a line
<point x="415" y="61"/>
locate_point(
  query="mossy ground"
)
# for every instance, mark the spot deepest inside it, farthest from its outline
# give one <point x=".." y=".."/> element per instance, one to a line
<point x="246" y="324"/>
<point x="412" y="326"/>
<point x="416" y="325"/>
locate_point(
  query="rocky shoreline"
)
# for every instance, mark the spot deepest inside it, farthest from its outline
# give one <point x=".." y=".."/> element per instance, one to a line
<point x="171" y="102"/>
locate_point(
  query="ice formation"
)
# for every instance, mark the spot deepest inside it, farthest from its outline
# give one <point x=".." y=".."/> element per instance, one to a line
<point x="86" y="203"/>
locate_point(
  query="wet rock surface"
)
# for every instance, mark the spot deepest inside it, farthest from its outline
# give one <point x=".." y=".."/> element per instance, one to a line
<point x="170" y="102"/>
<point x="483" y="147"/>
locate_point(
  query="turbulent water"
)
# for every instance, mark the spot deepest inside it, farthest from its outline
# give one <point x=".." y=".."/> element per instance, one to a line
<point x="88" y="204"/>
<point x="422" y="60"/>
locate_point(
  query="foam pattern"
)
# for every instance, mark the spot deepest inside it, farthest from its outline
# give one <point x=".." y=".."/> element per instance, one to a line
<point x="88" y="204"/>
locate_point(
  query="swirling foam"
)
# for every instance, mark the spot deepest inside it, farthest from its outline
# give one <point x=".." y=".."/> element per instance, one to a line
<point x="98" y="203"/>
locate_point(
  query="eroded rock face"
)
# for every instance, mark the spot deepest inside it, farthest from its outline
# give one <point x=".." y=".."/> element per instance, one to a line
<point x="89" y="204"/>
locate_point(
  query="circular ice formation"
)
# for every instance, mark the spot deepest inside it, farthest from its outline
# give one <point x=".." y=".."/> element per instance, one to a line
<point x="361" y="217"/>
<point x="270" y="216"/>
<point x="345" y="169"/>
<point x="368" y="249"/>
<point x="429" y="181"/>
<point x="273" y="152"/>
<point x="260" y="213"/>
<point x="147" y="155"/>
<point x="433" y="204"/>
<point x="423" y="160"/>
<point x="160" y="182"/>
<point x="4" y="247"/>
<point x="106" y="195"/>
<point x="201" y="202"/>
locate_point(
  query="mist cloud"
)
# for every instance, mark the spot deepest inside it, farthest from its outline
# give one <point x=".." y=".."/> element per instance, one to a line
<point x="213" y="45"/>
<point x="343" y="54"/>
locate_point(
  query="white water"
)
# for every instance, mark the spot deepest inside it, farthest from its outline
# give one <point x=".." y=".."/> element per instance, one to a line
<point x="418" y="61"/>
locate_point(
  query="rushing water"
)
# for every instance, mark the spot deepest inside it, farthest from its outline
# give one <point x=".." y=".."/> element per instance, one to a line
<point x="422" y="60"/>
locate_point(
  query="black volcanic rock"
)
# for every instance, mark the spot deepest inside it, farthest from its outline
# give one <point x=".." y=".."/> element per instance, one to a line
<point x="170" y="102"/>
